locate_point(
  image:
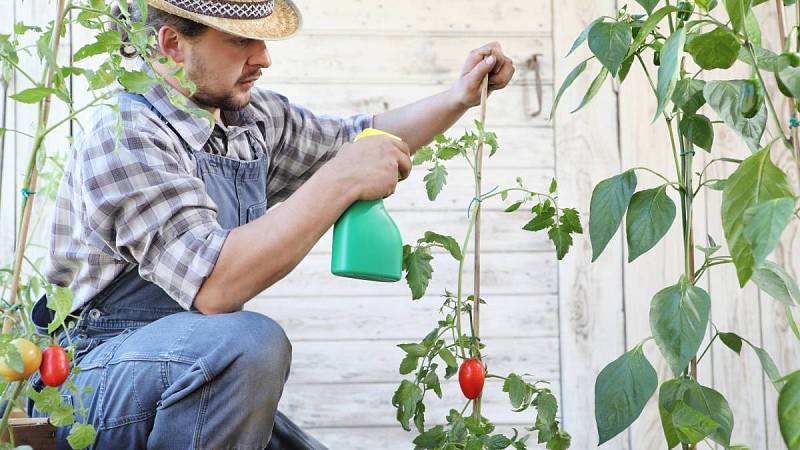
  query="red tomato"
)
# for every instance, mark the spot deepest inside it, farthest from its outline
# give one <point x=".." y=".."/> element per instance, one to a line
<point x="470" y="377"/>
<point x="55" y="366"/>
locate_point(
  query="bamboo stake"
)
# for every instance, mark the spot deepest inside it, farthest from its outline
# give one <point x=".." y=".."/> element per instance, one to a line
<point x="476" y="411"/>
<point x="30" y="186"/>
<point x="792" y="105"/>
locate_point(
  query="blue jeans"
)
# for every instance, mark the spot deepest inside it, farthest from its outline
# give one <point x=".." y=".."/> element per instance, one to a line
<point x="164" y="378"/>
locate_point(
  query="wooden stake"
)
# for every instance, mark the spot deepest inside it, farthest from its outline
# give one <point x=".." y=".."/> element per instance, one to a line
<point x="476" y="313"/>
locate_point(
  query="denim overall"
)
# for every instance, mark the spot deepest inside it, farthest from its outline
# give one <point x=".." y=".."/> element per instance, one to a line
<point x="166" y="378"/>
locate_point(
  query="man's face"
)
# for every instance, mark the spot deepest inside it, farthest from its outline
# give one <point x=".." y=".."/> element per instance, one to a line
<point x="224" y="67"/>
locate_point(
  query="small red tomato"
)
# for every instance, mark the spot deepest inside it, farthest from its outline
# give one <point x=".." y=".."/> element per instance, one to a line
<point x="55" y="366"/>
<point x="470" y="377"/>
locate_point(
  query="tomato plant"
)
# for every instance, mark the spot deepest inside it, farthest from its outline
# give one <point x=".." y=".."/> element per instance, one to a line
<point x="758" y="201"/>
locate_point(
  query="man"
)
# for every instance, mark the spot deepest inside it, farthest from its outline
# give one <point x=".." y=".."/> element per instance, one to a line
<point x="164" y="238"/>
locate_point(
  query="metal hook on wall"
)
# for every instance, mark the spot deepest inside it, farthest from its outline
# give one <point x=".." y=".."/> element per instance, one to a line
<point x="533" y="64"/>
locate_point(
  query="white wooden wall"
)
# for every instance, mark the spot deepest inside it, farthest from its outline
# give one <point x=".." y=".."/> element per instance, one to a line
<point x="561" y="321"/>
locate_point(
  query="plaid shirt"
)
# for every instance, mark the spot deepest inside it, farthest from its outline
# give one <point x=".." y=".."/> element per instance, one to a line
<point x="143" y="207"/>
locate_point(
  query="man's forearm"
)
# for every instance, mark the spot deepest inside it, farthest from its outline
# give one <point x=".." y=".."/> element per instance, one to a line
<point x="417" y="123"/>
<point x="260" y="253"/>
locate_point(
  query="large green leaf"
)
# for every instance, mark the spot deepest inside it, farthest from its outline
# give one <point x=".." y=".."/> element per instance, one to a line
<point x="650" y="215"/>
<point x="756" y="181"/>
<point x="698" y="130"/>
<point x="717" y="49"/>
<point x="705" y="401"/>
<point x="764" y="223"/>
<point x="737" y="11"/>
<point x="405" y="400"/>
<point x="669" y="68"/>
<point x="789" y="411"/>
<point x="582" y="37"/>
<point x="777" y="283"/>
<point x="32" y="95"/>
<point x="790" y="77"/>
<point x="567" y="83"/>
<point x="678" y="320"/>
<point x="621" y="391"/>
<point x="418" y="270"/>
<point x="137" y="82"/>
<point x="609" y="41"/>
<point x="723" y="97"/>
<point x="610" y="199"/>
<point x="691" y="425"/>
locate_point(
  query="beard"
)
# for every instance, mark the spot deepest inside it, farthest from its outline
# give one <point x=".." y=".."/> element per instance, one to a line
<point x="204" y="97"/>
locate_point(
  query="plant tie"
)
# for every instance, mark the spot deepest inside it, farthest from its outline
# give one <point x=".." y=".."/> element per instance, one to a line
<point x="26" y="193"/>
<point x="793" y="122"/>
<point x="478" y="200"/>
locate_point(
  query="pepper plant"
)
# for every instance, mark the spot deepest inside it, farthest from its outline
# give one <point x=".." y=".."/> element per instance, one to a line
<point x="455" y="347"/>
<point x="686" y="42"/>
<point x="99" y="63"/>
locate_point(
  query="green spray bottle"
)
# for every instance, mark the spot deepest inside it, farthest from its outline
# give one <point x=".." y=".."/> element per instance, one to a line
<point x="366" y="241"/>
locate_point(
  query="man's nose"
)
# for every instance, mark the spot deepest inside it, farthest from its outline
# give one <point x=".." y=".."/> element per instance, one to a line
<point x="260" y="56"/>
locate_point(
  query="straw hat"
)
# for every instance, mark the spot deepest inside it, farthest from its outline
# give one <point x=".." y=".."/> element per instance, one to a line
<point x="254" y="19"/>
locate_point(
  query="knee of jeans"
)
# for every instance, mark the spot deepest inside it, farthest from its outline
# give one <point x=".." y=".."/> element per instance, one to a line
<point x="264" y="344"/>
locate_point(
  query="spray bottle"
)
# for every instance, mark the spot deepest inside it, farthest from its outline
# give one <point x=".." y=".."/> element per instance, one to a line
<point x="366" y="241"/>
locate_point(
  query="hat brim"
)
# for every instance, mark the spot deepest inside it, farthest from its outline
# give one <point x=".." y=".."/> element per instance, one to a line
<point x="284" y="22"/>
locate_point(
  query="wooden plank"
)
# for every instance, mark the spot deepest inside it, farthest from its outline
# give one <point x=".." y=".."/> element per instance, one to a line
<point x="356" y="362"/>
<point x="526" y="273"/>
<point x="389" y="438"/>
<point x="417" y="15"/>
<point x="369" y="404"/>
<point x="590" y="295"/>
<point x="392" y="58"/>
<point x="398" y="318"/>
<point x="510" y="107"/>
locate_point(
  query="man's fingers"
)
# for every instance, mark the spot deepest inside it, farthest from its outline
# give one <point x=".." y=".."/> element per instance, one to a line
<point x="403" y="165"/>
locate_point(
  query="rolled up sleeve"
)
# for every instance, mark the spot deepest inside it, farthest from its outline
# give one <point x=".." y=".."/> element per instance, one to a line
<point x="144" y="206"/>
<point x="304" y="142"/>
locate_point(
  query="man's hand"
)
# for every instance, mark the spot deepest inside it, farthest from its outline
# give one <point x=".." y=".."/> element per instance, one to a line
<point x="373" y="165"/>
<point x="487" y="59"/>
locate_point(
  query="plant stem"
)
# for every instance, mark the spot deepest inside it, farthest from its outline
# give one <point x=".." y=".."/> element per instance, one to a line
<point x="671" y="183"/>
<point x="707" y="347"/>
<point x="10" y="406"/>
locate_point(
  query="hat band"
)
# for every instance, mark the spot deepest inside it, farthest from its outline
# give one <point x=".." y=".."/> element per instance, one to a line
<point x="226" y="9"/>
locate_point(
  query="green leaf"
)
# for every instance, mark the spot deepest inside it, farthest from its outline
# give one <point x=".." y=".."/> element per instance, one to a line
<point x="562" y="240"/>
<point x="732" y="340"/>
<point x="678" y="320"/>
<point x="705" y="401"/>
<point x="688" y="95"/>
<point x="570" y="220"/>
<point x="137" y="82"/>
<point x="768" y="366"/>
<point x="648" y="5"/>
<point x="698" y="130"/>
<point x="419" y="271"/>
<point x="518" y="392"/>
<point x="764" y="223"/>
<point x="621" y="391"/>
<point x="766" y="59"/>
<point x="723" y="97"/>
<point x="669" y="68"/>
<point x="790" y="77"/>
<point x="648" y="26"/>
<point x="650" y="215"/>
<point x="422" y="155"/>
<point x="609" y="41"/>
<point x="33" y="95"/>
<point x="579" y="40"/>
<point x="717" y="49"/>
<point x="448" y="358"/>
<point x="737" y="10"/>
<point x="513" y="207"/>
<point x="755" y="181"/>
<point x="435" y="181"/>
<point x="59" y="299"/>
<point x="594" y="88"/>
<point x="691" y="425"/>
<point x="431" y="439"/>
<point x="81" y="436"/>
<point x="447" y="153"/>
<point x="417" y="350"/>
<point x="497" y="442"/>
<point x="707" y="5"/>
<point x="405" y="399"/>
<point x="448" y="242"/>
<point x="752" y="28"/>
<point x="544" y="214"/>
<point x="609" y="202"/>
<point x="105" y="42"/>
<point x="547" y="408"/>
<point x="777" y="283"/>
<point x="561" y="441"/>
<point x="789" y="411"/>
<point x="553" y="186"/>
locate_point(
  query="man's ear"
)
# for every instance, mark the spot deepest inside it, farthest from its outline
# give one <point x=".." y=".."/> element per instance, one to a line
<point x="171" y="43"/>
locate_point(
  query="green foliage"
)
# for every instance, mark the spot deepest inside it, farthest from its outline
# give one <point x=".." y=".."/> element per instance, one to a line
<point x="621" y="391"/>
<point x="789" y="411"/>
<point x="609" y="41"/>
<point x="650" y="215"/>
<point x="610" y="200"/>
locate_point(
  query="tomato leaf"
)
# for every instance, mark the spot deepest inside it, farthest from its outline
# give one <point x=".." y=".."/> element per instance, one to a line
<point x="621" y="391"/>
<point x="419" y="271"/>
<point x="422" y="155"/>
<point x="435" y="181"/>
<point x="405" y="399"/>
<point x="33" y="95"/>
<point x="610" y="200"/>
<point x="416" y="350"/>
<point x="678" y="320"/>
<point x="137" y="82"/>
<point x="448" y="242"/>
<point x="59" y="299"/>
<point x="562" y="239"/>
<point x="81" y="436"/>
<point x="650" y="215"/>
